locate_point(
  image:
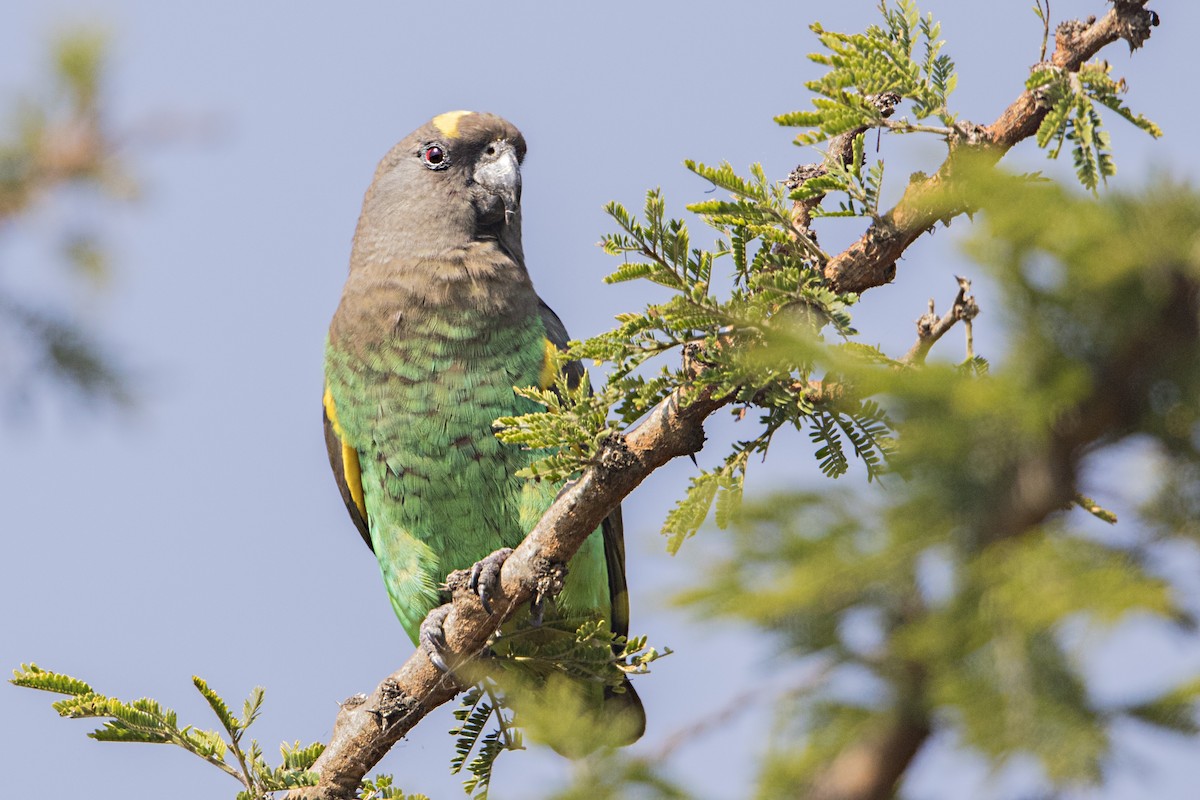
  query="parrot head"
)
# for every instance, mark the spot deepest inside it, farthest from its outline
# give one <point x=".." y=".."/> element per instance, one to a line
<point x="454" y="180"/>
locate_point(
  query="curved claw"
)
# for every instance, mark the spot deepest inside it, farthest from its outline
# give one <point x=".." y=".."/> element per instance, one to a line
<point x="537" y="610"/>
<point x="485" y="576"/>
<point x="432" y="636"/>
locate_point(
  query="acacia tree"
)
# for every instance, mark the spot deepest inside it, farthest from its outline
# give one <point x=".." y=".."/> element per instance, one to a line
<point x="59" y="141"/>
<point x="973" y="467"/>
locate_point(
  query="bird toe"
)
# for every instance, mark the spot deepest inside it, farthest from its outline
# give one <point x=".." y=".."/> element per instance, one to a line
<point x="432" y="636"/>
<point x="485" y="576"/>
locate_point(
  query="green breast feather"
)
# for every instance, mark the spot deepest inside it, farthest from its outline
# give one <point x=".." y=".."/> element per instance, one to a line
<point x="438" y="322"/>
<point x="440" y="490"/>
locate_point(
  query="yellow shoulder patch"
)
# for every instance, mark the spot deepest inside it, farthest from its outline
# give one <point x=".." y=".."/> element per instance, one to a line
<point x="548" y="374"/>
<point x="351" y="469"/>
<point x="448" y="123"/>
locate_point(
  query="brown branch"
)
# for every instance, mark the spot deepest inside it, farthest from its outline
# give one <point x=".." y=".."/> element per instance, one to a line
<point x="871" y="261"/>
<point x="75" y="149"/>
<point x="840" y="151"/>
<point x="870" y="768"/>
<point x="368" y="726"/>
<point x="930" y="327"/>
<point x="1044" y="480"/>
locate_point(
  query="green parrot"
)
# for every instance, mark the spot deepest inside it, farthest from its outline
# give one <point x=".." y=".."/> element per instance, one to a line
<point x="437" y="323"/>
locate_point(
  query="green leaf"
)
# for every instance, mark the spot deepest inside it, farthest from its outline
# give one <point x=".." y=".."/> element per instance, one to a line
<point x="252" y="707"/>
<point x="228" y="721"/>
<point x="115" y="733"/>
<point x="689" y="513"/>
<point x="1072" y="116"/>
<point x="300" y="758"/>
<point x="381" y="788"/>
<point x="1174" y="711"/>
<point x="31" y="676"/>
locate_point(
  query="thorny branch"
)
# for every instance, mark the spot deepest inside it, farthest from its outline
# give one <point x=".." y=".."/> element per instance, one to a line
<point x="931" y="327"/>
<point x="840" y="150"/>
<point x="367" y="727"/>
<point x="871" y="261"/>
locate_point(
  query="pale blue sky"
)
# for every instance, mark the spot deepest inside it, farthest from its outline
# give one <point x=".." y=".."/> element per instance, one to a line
<point x="203" y="533"/>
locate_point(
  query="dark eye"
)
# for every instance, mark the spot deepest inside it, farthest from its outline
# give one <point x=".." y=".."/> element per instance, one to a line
<point x="435" y="157"/>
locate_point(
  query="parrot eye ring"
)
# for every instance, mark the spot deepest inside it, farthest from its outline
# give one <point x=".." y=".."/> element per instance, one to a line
<point x="434" y="156"/>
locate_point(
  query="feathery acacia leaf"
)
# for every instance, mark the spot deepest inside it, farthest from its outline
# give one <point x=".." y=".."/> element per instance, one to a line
<point x="1072" y="116"/>
<point x="32" y="676"/>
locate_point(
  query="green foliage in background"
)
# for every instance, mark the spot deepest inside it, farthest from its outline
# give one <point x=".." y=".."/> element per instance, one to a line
<point x="538" y="680"/>
<point x="957" y="615"/>
<point x="54" y="144"/>
<point x="960" y="616"/>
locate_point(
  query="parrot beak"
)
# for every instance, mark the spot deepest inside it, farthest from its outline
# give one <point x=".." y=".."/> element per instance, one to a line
<point x="499" y="174"/>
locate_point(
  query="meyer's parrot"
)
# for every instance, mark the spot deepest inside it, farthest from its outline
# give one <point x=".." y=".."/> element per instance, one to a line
<point x="437" y="323"/>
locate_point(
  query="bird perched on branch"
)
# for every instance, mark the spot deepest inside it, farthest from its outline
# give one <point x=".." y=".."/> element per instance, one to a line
<point x="437" y="323"/>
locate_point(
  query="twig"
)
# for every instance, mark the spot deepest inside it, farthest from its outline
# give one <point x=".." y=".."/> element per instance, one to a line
<point x="871" y="261"/>
<point x="840" y="151"/>
<point x="930" y="327"/>
<point x="1044" y="13"/>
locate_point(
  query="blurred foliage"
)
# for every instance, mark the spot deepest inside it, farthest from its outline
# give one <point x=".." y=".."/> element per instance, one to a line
<point x="58" y="147"/>
<point x="966" y="570"/>
<point x="554" y="681"/>
<point x="609" y="776"/>
<point x="947" y="591"/>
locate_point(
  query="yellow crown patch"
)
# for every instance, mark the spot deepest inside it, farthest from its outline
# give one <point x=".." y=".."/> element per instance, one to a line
<point x="448" y="123"/>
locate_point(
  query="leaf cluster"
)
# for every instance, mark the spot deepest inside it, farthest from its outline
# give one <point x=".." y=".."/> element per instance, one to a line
<point x="861" y="187"/>
<point x="1071" y="98"/>
<point x="148" y="722"/>
<point x="775" y="291"/>
<point x="478" y="707"/>
<point x="776" y="296"/>
<point x="581" y="649"/>
<point x="382" y="787"/>
<point x="879" y="60"/>
<point x="571" y="429"/>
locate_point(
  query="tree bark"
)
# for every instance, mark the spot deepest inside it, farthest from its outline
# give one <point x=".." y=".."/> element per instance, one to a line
<point x="368" y="725"/>
<point x="871" y="261"/>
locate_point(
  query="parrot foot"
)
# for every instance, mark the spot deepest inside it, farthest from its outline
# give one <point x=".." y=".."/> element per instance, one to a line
<point x="482" y="581"/>
<point x="485" y="576"/>
<point x="432" y="636"/>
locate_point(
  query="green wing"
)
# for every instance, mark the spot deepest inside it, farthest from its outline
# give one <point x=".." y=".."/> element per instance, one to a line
<point x="613" y="527"/>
